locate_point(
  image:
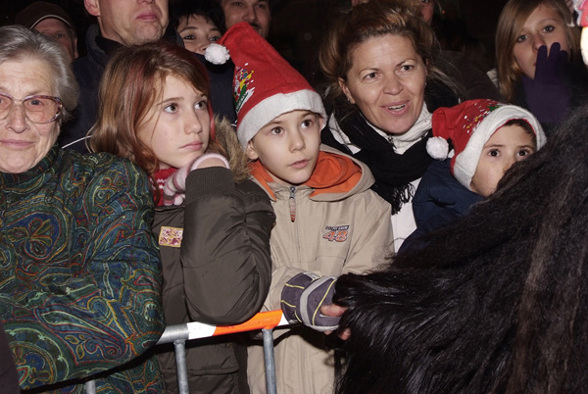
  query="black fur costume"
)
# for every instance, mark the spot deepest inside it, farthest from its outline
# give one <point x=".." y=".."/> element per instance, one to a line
<point x="497" y="302"/>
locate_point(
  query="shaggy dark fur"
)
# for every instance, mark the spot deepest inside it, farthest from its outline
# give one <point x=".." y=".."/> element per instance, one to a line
<point x="496" y="303"/>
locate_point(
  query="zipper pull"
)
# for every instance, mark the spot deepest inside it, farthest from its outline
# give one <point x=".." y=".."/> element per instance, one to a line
<point x="390" y="140"/>
<point x="292" y="202"/>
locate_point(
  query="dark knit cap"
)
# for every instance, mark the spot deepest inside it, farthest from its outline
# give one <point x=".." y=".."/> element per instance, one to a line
<point x="40" y="10"/>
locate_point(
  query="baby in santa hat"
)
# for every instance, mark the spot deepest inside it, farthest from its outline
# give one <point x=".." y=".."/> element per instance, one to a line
<point x="487" y="137"/>
<point x="328" y="221"/>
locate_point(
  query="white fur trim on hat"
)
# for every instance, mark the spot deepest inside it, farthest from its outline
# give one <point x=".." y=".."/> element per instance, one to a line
<point x="272" y="107"/>
<point x="467" y="161"/>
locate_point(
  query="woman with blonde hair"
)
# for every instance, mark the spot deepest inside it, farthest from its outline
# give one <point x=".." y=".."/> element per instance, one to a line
<point x="380" y="60"/>
<point x="538" y="59"/>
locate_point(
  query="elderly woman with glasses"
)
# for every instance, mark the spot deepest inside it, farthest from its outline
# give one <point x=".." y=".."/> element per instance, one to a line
<point x="79" y="268"/>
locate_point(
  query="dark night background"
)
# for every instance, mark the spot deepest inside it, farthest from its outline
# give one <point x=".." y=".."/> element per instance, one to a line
<point x="298" y="25"/>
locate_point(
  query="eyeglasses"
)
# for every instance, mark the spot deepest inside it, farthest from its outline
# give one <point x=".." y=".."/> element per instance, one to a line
<point x="38" y="108"/>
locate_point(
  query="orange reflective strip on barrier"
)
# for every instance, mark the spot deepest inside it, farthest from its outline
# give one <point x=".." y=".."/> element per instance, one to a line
<point x="179" y="333"/>
<point x="261" y="320"/>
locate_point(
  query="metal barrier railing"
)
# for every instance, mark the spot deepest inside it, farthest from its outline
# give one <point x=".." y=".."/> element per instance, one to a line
<point x="180" y="333"/>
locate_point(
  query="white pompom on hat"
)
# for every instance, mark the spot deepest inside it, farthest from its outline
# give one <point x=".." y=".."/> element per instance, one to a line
<point x="265" y="85"/>
<point x="217" y="54"/>
<point x="469" y="126"/>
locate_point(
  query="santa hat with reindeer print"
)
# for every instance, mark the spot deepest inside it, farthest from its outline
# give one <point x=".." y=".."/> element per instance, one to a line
<point x="265" y="86"/>
<point x="469" y="126"/>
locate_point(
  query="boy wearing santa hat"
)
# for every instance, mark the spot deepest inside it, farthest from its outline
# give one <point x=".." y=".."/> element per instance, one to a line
<point x="487" y="137"/>
<point x="328" y="221"/>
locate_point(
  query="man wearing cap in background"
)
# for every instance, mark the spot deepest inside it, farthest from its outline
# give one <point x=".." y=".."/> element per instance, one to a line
<point x="52" y="21"/>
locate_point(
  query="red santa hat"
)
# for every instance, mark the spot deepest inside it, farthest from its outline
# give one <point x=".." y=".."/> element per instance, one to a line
<point x="265" y="85"/>
<point x="469" y="126"/>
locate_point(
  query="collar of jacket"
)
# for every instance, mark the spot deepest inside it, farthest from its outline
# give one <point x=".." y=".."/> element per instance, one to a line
<point x="333" y="174"/>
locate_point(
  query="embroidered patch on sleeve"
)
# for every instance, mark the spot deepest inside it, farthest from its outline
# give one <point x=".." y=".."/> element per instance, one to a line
<point x="170" y="236"/>
<point x="336" y="233"/>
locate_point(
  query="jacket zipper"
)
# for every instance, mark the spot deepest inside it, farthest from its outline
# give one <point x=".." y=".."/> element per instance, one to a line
<point x="292" y="203"/>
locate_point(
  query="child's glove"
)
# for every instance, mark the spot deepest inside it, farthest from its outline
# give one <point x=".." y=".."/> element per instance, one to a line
<point x="175" y="186"/>
<point x="548" y="95"/>
<point x="302" y="298"/>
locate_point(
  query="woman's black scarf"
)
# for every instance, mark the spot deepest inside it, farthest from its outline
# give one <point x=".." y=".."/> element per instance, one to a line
<point x="393" y="172"/>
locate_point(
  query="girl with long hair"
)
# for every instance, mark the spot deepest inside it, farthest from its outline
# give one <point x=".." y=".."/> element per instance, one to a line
<point x="538" y="59"/>
<point x="212" y="223"/>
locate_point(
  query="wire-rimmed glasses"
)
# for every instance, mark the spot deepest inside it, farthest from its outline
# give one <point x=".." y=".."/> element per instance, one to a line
<point x="37" y="108"/>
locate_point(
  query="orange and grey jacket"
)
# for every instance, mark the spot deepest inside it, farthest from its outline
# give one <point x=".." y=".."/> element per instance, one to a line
<point x="331" y="225"/>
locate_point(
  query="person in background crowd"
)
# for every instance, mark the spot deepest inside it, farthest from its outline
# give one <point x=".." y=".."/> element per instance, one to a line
<point x="257" y="13"/>
<point x="496" y="302"/>
<point x="197" y="23"/>
<point x="380" y="62"/>
<point x="328" y="222"/>
<point x="487" y="137"/>
<point x="51" y="20"/>
<point x="213" y="223"/>
<point x="119" y="23"/>
<point x="81" y="278"/>
<point x="459" y="66"/>
<point x="538" y="59"/>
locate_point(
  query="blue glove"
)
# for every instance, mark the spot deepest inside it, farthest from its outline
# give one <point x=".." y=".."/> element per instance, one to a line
<point x="302" y="298"/>
<point x="548" y="95"/>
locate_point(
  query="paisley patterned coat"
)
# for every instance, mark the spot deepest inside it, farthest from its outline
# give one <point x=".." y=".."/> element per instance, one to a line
<point x="80" y="274"/>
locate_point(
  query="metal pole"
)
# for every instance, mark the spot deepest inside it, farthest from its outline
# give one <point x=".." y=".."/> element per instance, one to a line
<point x="173" y="333"/>
<point x="180" y="346"/>
<point x="180" y="333"/>
<point x="270" y="366"/>
<point x="91" y="387"/>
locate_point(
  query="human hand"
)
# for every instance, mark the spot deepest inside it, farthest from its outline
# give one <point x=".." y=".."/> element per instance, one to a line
<point x="175" y="186"/>
<point x="334" y="310"/>
<point x="302" y="299"/>
<point x="547" y="94"/>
